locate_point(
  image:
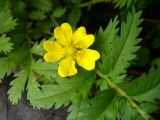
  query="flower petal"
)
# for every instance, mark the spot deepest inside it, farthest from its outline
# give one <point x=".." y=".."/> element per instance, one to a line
<point x="63" y="34"/>
<point x="67" y="67"/>
<point x="48" y="45"/>
<point x="86" y="58"/>
<point x="81" y="39"/>
<point x="55" y="51"/>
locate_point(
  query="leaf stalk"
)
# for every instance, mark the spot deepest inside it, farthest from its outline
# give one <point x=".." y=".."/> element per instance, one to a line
<point x="120" y="92"/>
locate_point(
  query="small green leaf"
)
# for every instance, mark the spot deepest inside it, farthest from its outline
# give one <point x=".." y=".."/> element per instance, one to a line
<point x="5" y="45"/>
<point x="37" y="49"/>
<point x="37" y="15"/>
<point x="7" y="22"/>
<point x="123" y="3"/>
<point x="43" y="5"/>
<point x="17" y="86"/>
<point x="59" y="12"/>
<point x="74" y="16"/>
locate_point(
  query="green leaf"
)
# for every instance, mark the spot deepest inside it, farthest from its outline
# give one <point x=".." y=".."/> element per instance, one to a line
<point x="123" y="3"/>
<point x="37" y="49"/>
<point x="43" y="5"/>
<point x="126" y="112"/>
<point x="63" y="91"/>
<point x="120" y="50"/>
<point x="17" y="86"/>
<point x="74" y="16"/>
<point x="59" y="12"/>
<point x="32" y="85"/>
<point x="37" y="15"/>
<point x="7" y="22"/>
<point x="104" y="44"/>
<point x="5" y="44"/>
<point x="146" y="87"/>
<point x="12" y="61"/>
<point x="96" y="108"/>
<point x="46" y="69"/>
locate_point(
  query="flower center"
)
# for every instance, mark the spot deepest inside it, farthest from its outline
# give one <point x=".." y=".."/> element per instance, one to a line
<point x="73" y="51"/>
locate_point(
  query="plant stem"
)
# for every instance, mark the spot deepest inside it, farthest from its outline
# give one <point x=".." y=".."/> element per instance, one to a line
<point x="91" y="3"/>
<point x="123" y="94"/>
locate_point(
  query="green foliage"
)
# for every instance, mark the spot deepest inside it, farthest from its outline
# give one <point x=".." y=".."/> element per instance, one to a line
<point x="120" y="50"/>
<point x="63" y="91"/>
<point x="18" y="85"/>
<point x="7" y="22"/>
<point x="122" y="3"/>
<point x="59" y="12"/>
<point x="37" y="15"/>
<point x="43" y="5"/>
<point x="5" y="45"/>
<point x="146" y="87"/>
<point x="11" y="62"/>
<point x="111" y="94"/>
<point x="96" y="108"/>
<point x="74" y="16"/>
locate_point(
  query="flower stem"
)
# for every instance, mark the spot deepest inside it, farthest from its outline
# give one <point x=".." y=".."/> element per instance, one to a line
<point x="123" y="94"/>
<point x="91" y="3"/>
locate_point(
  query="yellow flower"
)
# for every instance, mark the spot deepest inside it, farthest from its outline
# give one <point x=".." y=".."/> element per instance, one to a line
<point x="71" y="48"/>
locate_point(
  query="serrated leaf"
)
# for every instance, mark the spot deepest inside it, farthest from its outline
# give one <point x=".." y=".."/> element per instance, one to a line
<point x="74" y="16"/>
<point x="17" y="86"/>
<point x="32" y="85"/>
<point x="37" y="15"/>
<point x="96" y="107"/>
<point x="46" y="69"/>
<point x="123" y="3"/>
<point x="12" y="61"/>
<point x="126" y="112"/>
<point x="43" y="5"/>
<point x="59" y="12"/>
<point x="120" y="49"/>
<point x="146" y="87"/>
<point x="7" y="22"/>
<point x="38" y="49"/>
<point x="5" y="44"/>
<point x="63" y="91"/>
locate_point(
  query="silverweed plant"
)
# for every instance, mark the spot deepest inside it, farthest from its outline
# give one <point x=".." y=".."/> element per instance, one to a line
<point x="52" y="56"/>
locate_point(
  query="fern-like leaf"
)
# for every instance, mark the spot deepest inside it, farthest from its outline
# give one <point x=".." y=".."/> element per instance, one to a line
<point x="7" y="22"/>
<point x="18" y="85"/>
<point x="63" y="91"/>
<point x="43" y="5"/>
<point x="123" y="3"/>
<point x="146" y="87"/>
<point x="46" y="69"/>
<point x="120" y="49"/>
<point x="95" y="108"/>
<point x="5" y="45"/>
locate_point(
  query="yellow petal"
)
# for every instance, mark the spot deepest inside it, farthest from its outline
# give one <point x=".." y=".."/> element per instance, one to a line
<point x="55" y="51"/>
<point x="48" y="45"/>
<point x="81" y="39"/>
<point x="63" y="34"/>
<point x="67" y="67"/>
<point x="86" y="58"/>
